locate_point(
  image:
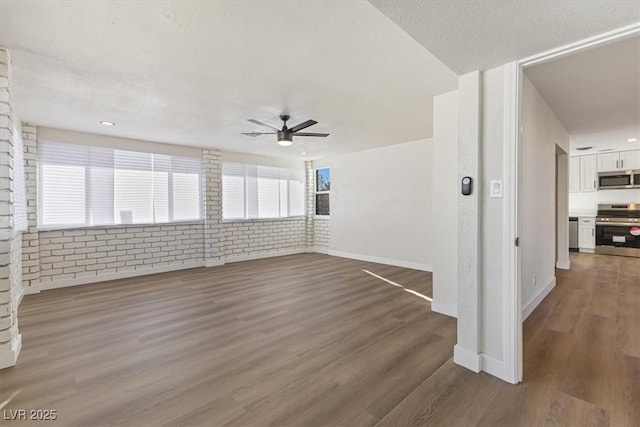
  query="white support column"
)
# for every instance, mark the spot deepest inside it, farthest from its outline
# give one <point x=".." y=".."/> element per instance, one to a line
<point x="309" y="204"/>
<point x="10" y="274"/>
<point x="30" y="239"/>
<point x="467" y="350"/>
<point x="213" y="231"/>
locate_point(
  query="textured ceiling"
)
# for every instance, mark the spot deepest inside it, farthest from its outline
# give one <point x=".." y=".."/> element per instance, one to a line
<point x="595" y="94"/>
<point x="192" y="72"/>
<point x="479" y="35"/>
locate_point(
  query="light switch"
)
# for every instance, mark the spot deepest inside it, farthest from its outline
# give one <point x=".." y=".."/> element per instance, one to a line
<point x="496" y="188"/>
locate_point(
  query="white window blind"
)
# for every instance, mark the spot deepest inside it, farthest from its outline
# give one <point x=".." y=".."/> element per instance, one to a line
<point x="19" y="188"/>
<point x="83" y="186"/>
<point x="254" y="191"/>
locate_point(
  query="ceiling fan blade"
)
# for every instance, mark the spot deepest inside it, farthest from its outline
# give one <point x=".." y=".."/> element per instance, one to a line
<point x="302" y="126"/>
<point x="258" y="122"/>
<point x="310" y="134"/>
<point x="257" y="133"/>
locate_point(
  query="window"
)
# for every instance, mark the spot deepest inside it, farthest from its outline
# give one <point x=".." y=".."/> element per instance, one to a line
<point x="84" y="186"/>
<point x="255" y="191"/>
<point x="323" y="186"/>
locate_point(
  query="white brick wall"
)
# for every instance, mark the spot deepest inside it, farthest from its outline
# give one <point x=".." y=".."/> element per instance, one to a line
<point x="10" y="241"/>
<point x="56" y="258"/>
<point x="213" y="237"/>
<point x="30" y="250"/>
<point x="87" y="252"/>
<point x="247" y="239"/>
<point x="321" y="235"/>
<point x="309" y="202"/>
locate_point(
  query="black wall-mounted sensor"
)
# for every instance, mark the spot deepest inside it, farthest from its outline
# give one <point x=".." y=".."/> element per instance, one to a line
<point x="467" y="185"/>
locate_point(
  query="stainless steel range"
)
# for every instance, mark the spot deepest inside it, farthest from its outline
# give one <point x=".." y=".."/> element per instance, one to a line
<point x="618" y="229"/>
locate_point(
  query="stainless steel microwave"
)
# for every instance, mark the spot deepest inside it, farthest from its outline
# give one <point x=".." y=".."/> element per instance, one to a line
<point x="618" y="180"/>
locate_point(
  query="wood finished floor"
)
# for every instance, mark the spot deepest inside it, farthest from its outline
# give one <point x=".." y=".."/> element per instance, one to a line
<point x="312" y="340"/>
<point x="300" y="340"/>
<point x="581" y="361"/>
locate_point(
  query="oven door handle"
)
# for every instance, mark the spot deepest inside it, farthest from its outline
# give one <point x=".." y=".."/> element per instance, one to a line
<point x="621" y="224"/>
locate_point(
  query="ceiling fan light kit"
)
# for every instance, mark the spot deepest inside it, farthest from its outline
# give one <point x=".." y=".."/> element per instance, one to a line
<point x="285" y="135"/>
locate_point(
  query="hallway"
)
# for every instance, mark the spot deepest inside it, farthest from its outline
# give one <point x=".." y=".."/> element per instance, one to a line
<point x="581" y="360"/>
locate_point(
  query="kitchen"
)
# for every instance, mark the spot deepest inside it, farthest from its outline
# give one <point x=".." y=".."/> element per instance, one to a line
<point x="596" y="97"/>
<point x="604" y="200"/>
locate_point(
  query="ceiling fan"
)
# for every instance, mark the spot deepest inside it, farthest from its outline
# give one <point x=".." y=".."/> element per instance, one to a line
<point x="285" y="135"/>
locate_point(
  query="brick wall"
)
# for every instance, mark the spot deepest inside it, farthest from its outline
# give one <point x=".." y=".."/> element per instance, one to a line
<point x="69" y="255"/>
<point x="65" y="257"/>
<point x="213" y="231"/>
<point x="248" y="239"/>
<point x="10" y="240"/>
<point x="321" y="235"/>
<point x="30" y="244"/>
<point x="309" y="203"/>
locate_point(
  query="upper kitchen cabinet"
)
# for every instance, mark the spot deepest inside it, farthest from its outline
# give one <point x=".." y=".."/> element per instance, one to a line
<point x="588" y="173"/>
<point x="630" y="159"/>
<point x="623" y="160"/>
<point x="574" y="174"/>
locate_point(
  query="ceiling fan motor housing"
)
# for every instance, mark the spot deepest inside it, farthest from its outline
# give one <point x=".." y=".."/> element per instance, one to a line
<point x="285" y="138"/>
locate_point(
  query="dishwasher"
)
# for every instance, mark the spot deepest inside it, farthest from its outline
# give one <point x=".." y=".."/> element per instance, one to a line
<point x="573" y="233"/>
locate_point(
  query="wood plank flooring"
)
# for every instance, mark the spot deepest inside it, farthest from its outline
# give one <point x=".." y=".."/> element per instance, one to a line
<point x="313" y="340"/>
<point x="581" y="361"/>
<point x="298" y="340"/>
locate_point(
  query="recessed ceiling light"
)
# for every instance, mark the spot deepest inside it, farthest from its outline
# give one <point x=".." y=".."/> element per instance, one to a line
<point x="107" y="123"/>
<point x="632" y="140"/>
<point x="304" y="153"/>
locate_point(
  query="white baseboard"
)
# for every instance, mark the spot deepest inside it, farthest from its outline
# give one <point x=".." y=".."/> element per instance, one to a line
<point x="563" y="265"/>
<point x="537" y="299"/>
<point x="587" y="251"/>
<point x="444" y="308"/>
<point x="33" y="289"/>
<point x="119" y="275"/>
<point x="249" y="257"/>
<point x="465" y="358"/>
<point x="9" y="358"/>
<point x="214" y="262"/>
<point x="492" y="366"/>
<point x="320" y="250"/>
<point x="380" y="260"/>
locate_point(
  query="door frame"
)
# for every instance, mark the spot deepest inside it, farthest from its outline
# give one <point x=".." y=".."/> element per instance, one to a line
<point x="512" y="321"/>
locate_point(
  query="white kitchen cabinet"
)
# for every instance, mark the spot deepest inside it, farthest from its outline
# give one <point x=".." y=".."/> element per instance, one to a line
<point x="574" y="174"/>
<point x="588" y="173"/>
<point x="623" y="160"/>
<point x="608" y="162"/>
<point x="630" y="159"/>
<point x="587" y="234"/>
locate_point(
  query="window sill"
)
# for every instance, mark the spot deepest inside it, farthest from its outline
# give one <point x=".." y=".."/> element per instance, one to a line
<point x="288" y="218"/>
<point x="94" y="227"/>
<point x="322" y="217"/>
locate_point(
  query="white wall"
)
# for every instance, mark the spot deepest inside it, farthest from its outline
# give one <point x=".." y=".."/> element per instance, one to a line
<point x="281" y="162"/>
<point x="590" y="200"/>
<point x="381" y="204"/>
<point x="562" y="209"/>
<point x="445" y="201"/>
<point x="542" y="131"/>
<point x="492" y="260"/>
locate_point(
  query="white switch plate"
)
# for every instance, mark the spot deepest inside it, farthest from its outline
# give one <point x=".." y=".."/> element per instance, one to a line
<point x="496" y="188"/>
